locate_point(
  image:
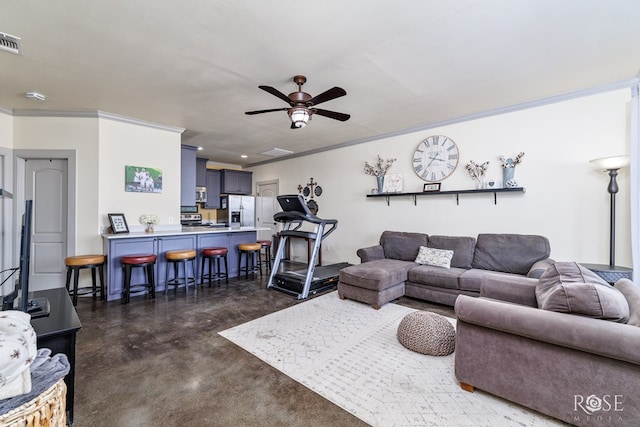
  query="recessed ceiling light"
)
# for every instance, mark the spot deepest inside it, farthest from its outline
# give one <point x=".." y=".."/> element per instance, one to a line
<point x="244" y="156"/>
<point x="35" y="95"/>
<point x="199" y="148"/>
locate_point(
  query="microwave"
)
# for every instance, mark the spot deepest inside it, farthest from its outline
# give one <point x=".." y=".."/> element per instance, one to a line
<point x="201" y="194"/>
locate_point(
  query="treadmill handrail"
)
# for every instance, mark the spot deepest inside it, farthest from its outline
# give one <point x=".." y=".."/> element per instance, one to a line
<point x="299" y="218"/>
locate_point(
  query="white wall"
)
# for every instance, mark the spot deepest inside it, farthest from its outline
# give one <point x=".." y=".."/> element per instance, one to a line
<point x="80" y="135"/>
<point x="565" y="200"/>
<point x="126" y="144"/>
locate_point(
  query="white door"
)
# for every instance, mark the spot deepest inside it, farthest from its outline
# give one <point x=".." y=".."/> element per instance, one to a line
<point x="46" y="185"/>
<point x="266" y="207"/>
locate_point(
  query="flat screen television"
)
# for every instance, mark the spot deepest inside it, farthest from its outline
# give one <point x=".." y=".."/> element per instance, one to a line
<point x="19" y="299"/>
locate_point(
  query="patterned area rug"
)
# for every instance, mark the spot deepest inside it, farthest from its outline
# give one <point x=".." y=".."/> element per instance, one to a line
<point x="348" y="353"/>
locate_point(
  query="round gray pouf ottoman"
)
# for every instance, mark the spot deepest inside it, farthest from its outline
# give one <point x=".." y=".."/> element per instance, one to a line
<point x="427" y="333"/>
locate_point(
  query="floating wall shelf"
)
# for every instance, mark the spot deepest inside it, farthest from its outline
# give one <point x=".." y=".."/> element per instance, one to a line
<point x="457" y="193"/>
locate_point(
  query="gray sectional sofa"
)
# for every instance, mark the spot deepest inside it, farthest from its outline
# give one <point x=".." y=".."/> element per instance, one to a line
<point x="388" y="270"/>
<point x="566" y="345"/>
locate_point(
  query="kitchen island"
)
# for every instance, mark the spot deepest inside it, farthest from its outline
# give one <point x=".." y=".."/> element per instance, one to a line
<point x="159" y="242"/>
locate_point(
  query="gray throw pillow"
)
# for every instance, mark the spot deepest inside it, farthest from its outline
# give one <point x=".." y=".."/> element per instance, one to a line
<point x="631" y="292"/>
<point x="461" y="246"/>
<point x="568" y="287"/>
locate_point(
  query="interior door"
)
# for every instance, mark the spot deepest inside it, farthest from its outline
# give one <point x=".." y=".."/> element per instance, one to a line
<point x="266" y="207"/>
<point x="46" y="184"/>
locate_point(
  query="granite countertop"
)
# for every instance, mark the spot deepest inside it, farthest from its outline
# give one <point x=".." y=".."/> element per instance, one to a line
<point x="182" y="231"/>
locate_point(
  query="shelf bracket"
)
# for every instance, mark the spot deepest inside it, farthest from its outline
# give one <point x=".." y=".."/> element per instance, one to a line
<point x="457" y="199"/>
<point x="495" y="198"/>
<point x="387" y="197"/>
<point x="415" y="200"/>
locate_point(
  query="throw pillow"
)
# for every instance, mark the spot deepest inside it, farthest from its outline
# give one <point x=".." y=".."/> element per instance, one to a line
<point x="568" y="287"/>
<point x="434" y="257"/>
<point x="631" y="292"/>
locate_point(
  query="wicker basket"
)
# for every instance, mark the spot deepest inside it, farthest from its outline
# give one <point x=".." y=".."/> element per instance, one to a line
<point x="45" y="410"/>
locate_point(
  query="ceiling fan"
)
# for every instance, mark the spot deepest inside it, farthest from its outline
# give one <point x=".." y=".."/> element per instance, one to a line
<point x="302" y="105"/>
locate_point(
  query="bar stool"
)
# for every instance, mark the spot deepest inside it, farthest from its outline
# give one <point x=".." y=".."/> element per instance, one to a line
<point x="75" y="264"/>
<point x="266" y="245"/>
<point x="144" y="261"/>
<point x="211" y="254"/>
<point x="175" y="259"/>
<point x="250" y="251"/>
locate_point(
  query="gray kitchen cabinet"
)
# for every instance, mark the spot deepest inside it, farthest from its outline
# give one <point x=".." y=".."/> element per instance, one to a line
<point x="213" y="189"/>
<point x="236" y="182"/>
<point x="201" y="172"/>
<point x="188" y="175"/>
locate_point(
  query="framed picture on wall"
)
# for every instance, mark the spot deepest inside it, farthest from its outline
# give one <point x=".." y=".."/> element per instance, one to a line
<point x="118" y="223"/>
<point x="142" y="179"/>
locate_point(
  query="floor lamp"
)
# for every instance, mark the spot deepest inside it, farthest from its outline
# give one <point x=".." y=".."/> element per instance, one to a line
<point x="611" y="165"/>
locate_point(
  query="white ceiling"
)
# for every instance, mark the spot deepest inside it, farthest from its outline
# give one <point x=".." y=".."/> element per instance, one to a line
<point x="197" y="64"/>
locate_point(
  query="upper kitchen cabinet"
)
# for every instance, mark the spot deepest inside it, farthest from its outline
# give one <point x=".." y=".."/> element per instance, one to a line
<point x="213" y="189"/>
<point x="201" y="172"/>
<point x="188" y="175"/>
<point x="236" y="182"/>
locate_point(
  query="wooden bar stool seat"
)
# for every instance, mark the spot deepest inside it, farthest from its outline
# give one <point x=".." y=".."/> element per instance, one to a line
<point x="211" y="254"/>
<point x="251" y="252"/>
<point x="74" y="265"/>
<point x="147" y="263"/>
<point x="176" y="258"/>
<point x="266" y="245"/>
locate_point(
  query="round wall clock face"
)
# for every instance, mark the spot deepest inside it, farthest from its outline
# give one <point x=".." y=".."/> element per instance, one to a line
<point x="435" y="158"/>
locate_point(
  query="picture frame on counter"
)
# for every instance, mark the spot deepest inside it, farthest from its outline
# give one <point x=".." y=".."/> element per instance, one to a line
<point x="431" y="187"/>
<point x="118" y="223"/>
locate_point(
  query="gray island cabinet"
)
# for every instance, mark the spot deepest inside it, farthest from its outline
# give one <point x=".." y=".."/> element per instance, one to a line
<point x="158" y="243"/>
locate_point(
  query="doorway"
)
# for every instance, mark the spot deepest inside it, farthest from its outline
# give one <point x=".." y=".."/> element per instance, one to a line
<point x="266" y="207"/>
<point x="47" y="177"/>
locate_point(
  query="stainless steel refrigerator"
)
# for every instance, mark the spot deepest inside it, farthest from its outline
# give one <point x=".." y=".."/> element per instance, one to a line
<point x="240" y="211"/>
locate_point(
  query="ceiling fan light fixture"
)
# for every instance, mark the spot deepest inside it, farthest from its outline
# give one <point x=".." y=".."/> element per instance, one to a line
<point x="299" y="117"/>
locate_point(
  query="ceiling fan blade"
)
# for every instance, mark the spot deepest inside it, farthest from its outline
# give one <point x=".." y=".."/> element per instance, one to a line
<point x="251" y="113"/>
<point x="333" y="93"/>
<point x="275" y="92"/>
<point x="332" y="114"/>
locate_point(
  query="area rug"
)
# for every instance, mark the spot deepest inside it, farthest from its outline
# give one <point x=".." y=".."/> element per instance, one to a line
<point x="348" y="353"/>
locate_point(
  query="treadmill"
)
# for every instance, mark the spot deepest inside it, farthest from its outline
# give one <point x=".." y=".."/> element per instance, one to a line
<point x="312" y="280"/>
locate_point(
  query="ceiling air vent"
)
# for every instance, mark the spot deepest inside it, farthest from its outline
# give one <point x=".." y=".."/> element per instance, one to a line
<point x="275" y="152"/>
<point x="11" y="43"/>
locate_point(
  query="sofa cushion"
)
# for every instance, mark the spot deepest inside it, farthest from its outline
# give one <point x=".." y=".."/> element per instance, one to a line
<point x="402" y="245"/>
<point x="436" y="276"/>
<point x="509" y="253"/>
<point x="631" y="292"/>
<point x="462" y="247"/>
<point x="568" y="287"/>
<point x="434" y="257"/>
<point x="376" y="275"/>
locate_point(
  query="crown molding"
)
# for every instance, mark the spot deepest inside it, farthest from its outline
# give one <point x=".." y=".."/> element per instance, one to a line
<point x="93" y="114"/>
<point x="7" y="111"/>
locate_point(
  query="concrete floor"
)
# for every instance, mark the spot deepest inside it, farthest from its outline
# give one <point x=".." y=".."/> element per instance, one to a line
<point x="161" y="363"/>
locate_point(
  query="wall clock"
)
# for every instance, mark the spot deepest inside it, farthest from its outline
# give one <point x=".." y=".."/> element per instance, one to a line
<point x="435" y="158"/>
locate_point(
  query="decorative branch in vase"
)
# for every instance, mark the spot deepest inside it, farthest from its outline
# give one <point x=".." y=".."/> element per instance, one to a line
<point x="509" y="168"/>
<point x="379" y="170"/>
<point x="476" y="172"/>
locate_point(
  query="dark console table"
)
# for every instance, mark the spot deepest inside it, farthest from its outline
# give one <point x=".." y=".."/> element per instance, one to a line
<point x="610" y="273"/>
<point x="57" y="332"/>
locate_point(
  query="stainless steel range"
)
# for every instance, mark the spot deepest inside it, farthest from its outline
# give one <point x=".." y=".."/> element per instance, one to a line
<point x="191" y="219"/>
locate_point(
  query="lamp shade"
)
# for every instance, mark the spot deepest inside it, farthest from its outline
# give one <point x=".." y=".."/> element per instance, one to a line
<point x="609" y="163"/>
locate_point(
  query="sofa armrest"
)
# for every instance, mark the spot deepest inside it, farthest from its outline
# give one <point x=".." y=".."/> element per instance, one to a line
<point x="370" y="253"/>
<point x="515" y="289"/>
<point x="539" y="267"/>
<point x="595" y="336"/>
